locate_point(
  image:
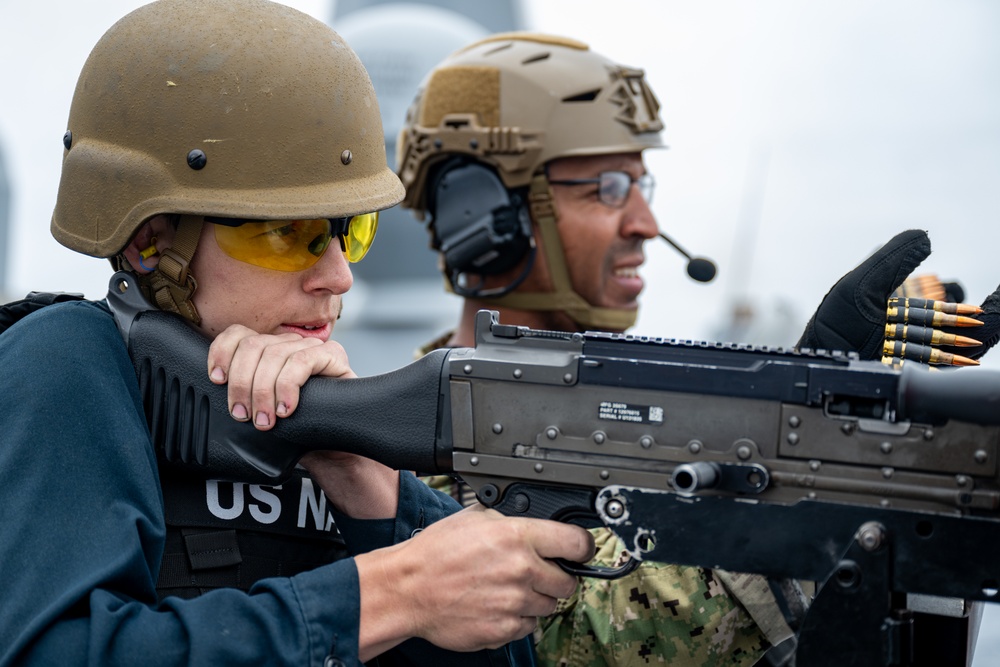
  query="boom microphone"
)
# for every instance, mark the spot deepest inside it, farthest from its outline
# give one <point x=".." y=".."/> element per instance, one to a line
<point x="701" y="269"/>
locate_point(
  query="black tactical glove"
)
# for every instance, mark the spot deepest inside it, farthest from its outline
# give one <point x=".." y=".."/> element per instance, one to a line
<point x="851" y="316"/>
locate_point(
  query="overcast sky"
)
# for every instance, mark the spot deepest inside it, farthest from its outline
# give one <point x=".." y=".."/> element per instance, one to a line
<point x="802" y="136"/>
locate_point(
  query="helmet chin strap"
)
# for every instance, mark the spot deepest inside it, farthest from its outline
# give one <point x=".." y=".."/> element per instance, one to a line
<point x="170" y="287"/>
<point x="562" y="298"/>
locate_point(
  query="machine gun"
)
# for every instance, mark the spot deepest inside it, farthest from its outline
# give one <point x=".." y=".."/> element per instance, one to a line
<point x="879" y="483"/>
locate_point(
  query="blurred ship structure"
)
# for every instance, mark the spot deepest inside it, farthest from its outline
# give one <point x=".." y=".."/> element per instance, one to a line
<point x="748" y="316"/>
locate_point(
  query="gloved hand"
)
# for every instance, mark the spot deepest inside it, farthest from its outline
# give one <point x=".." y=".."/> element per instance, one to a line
<point x="851" y="316"/>
<point x="988" y="334"/>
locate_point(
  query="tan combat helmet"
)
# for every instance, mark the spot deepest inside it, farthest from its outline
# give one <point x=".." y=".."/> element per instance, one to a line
<point x="515" y="101"/>
<point x="229" y="108"/>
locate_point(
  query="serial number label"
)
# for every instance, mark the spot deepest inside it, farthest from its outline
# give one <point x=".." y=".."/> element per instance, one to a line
<point x="630" y="412"/>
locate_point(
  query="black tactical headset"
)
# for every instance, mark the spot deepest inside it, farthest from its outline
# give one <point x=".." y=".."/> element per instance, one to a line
<point x="478" y="225"/>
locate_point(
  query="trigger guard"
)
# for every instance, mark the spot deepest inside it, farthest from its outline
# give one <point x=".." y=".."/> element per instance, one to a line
<point x="583" y="570"/>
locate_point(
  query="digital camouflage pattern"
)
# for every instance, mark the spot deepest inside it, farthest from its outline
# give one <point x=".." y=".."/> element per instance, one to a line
<point x="658" y="615"/>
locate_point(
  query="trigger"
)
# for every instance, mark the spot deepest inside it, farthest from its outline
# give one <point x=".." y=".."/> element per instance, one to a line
<point x="598" y="572"/>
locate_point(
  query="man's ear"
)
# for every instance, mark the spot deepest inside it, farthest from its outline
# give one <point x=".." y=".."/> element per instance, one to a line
<point x="155" y="236"/>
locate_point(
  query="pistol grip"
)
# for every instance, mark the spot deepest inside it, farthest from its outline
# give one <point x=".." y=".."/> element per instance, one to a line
<point x="566" y="504"/>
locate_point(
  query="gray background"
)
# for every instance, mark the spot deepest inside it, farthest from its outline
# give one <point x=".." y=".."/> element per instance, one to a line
<point x="802" y="136"/>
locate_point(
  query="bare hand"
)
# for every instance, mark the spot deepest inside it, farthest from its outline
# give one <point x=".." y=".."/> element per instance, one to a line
<point x="265" y="371"/>
<point x="474" y="580"/>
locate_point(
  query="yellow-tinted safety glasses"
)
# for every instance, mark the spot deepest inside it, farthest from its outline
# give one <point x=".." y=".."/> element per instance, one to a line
<point x="293" y="245"/>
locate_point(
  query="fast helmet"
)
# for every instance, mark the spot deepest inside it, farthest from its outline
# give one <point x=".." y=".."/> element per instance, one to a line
<point x="513" y="102"/>
<point x="229" y="108"/>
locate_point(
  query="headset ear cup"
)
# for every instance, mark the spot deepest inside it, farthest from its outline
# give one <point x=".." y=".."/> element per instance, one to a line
<point x="478" y="225"/>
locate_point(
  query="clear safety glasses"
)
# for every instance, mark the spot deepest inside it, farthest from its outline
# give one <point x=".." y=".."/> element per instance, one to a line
<point x="613" y="186"/>
<point x="293" y="245"/>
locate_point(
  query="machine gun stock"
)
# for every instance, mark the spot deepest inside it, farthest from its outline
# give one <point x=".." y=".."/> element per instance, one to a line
<point x="392" y="418"/>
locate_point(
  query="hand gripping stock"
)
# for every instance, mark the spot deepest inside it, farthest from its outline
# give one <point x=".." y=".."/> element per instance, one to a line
<point x="392" y="418"/>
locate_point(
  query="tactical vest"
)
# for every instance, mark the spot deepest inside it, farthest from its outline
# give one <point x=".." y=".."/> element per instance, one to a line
<point x="232" y="534"/>
<point x="227" y="534"/>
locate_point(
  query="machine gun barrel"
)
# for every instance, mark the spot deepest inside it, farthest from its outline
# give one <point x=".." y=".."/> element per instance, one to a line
<point x="971" y="396"/>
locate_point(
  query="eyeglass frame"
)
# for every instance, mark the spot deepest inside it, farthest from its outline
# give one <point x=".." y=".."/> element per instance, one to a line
<point x="645" y="182"/>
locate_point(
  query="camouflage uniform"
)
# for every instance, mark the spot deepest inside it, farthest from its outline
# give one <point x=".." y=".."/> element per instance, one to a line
<point x="659" y="615"/>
